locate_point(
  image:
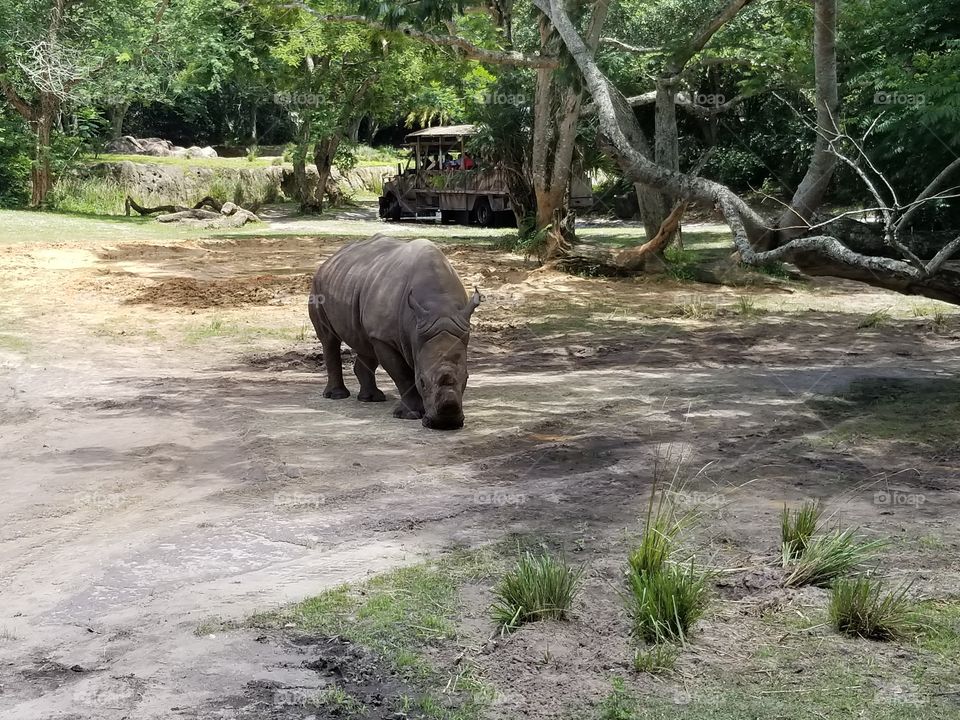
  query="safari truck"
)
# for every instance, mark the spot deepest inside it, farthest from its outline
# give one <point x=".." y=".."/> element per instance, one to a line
<point x="442" y="178"/>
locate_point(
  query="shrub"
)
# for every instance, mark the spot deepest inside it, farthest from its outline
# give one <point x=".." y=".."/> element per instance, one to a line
<point x="861" y="607"/>
<point x="539" y="587"/>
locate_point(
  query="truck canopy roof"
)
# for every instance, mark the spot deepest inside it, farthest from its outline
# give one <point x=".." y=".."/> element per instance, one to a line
<point x="451" y="133"/>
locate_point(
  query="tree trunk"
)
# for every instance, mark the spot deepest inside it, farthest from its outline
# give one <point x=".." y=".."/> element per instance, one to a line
<point x="254" y="130"/>
<point x="323" y="154"/>
<point x="117" y="113"/>
<point x="810" y="193"/>
<point x="305" y="195"/>
<point x="41" y="174"/>
<point x="666" y="145"/>
<point x="556" y="115"/>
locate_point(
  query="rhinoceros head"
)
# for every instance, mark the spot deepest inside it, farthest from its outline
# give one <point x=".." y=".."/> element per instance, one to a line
<point x="441" y="361"/>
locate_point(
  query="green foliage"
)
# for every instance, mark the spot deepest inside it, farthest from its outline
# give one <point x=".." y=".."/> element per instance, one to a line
<point x="540" y="587"/>
<point x="862" y="607"/>
<point x="797" y="528"/>
<point x="14" y="162"/>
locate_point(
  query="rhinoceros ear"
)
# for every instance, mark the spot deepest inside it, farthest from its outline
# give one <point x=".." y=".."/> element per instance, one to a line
<point x="474" y="303"/>
<point x="417" y="308"/>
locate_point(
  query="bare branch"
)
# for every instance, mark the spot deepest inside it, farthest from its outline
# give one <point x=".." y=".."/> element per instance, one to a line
<point x="620" y="44"/>
<point x="927" y="194"/>
<point x="948" y="251"/>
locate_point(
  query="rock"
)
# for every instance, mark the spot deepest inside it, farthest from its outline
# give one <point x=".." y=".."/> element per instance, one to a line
<point x="228" y="208"/>
<point x="188" y="215"/>
<point x="156" y="147"/>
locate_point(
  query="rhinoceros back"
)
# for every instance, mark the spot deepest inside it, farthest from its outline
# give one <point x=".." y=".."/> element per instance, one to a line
<point x="364" y="290"/>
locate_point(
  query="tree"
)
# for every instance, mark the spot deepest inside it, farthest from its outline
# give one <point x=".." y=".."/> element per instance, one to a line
<point x="815" y="253"/>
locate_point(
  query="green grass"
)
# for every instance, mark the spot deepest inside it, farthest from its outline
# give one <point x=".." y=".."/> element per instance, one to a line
<point x="680" y="262"/>
<point x="747" y="307"/>
<point x="797" y="528"/>
<point x="220" y="328"/>
<point x="238" y="163"/>
<point x="88" y="196"/>
<point x="656" y="659"/>
<point x="539" y="587"/>
<point x="827" y="558"/>
<point x="402" y="616"/>
<point x="862" y="607"/>
<point x="876" y="319"/>
<point x="922" y="411"/>
<point x="339" y="701"/>
<point x="13" y="343"/>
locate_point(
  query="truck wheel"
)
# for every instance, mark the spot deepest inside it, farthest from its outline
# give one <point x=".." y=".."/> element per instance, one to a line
<point x="482" y="214"/>
<point x="393" y="209"/>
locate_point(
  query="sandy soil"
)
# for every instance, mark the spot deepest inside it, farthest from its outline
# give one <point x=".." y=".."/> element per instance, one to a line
<point x="166" y="456"/>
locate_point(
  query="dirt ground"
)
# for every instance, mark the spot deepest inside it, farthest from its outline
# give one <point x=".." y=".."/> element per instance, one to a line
<point x="166" y="457"/>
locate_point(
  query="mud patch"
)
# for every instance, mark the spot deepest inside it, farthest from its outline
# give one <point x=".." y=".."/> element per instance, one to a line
<point x="293" y="360"/>
<point x="351" y="682"/>
<point x="194" y="293"/>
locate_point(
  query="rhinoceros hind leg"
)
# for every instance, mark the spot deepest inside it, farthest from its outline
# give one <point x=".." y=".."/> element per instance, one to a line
<point x="333" y="361"/>
<point x="365" y="368"/>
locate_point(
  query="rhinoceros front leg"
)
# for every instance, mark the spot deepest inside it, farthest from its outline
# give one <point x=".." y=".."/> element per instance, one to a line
<point x="410" y="406"/>
<point x="365" y="368"/>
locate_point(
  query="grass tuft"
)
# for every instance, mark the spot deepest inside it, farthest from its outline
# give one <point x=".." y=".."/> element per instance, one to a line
<point x="664" y="605"/>
<point x="540" y="587"/>
<point x="797" y="528"/>
<point x="861" y="607"/>
<point x="878" y="318"/>
<point x="827" y="558"/>
<point x="656" y="659"/>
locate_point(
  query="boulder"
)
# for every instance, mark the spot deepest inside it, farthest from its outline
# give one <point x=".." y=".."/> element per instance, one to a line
<point x="156" y="147"/>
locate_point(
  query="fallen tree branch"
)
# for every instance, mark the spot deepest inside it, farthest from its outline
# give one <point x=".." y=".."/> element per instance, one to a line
<point x="208" y="201"/>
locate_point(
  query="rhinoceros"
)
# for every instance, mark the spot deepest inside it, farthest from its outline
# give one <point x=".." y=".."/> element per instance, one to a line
<point x="399" y="305"/>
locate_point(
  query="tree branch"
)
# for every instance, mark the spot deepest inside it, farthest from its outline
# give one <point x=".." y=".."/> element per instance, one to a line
<point x="707" y="31"/>
<point x="927" y="194"/>
<point x="620" y="44"/>
<point x="20" y="105"/>
<point x="469" y="50"/>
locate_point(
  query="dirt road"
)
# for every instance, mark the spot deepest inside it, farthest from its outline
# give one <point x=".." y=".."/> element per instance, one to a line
<point x="166" y="457"/>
